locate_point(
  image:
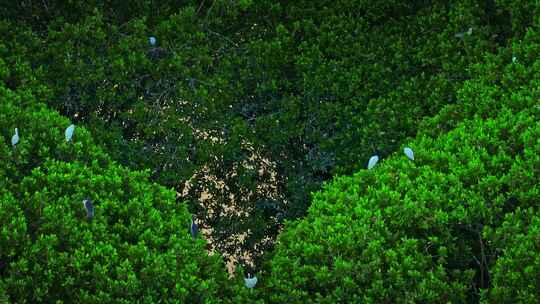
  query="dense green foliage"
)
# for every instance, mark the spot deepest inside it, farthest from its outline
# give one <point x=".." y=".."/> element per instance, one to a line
<point x="417" y="231"/>
<point x="459" y="224"/>
<point x="245" y="110"/>
<point x="136" y="248"/>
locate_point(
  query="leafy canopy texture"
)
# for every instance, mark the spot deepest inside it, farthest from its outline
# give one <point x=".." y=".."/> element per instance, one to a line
<point x="136" y="248"/>
<point x="246" y="107"/>
<point x="458" y="224"/>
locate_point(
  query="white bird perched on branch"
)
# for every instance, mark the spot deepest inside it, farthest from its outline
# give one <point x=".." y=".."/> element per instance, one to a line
<point x="409" y="152"/>
<point x="69" y="132"/>
<point x="15" y="138"/>
<point x="373" y="161"/>
<point x="250" y="282"/>
<point x="152" y="40"/>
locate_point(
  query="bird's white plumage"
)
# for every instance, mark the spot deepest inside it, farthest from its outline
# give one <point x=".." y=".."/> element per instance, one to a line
<point x="372" y="161"/>
<point x="152" y="40"/>
<point x="15" y="137"/>
<point x="69" y="132"/>
<point x="409" y="152"/>
<point x="250" y="282"/>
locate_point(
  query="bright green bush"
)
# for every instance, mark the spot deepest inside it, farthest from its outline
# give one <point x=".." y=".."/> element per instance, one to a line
<point x="456" y="225"/>
<point x="499" y="84"/>
<point x="413" y="231"/>
<point x="137" y="248"/>
<point x="515" y="274"/>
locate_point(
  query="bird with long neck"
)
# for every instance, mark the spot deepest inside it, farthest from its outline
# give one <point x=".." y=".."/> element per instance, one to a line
<point x="15" y="138"/>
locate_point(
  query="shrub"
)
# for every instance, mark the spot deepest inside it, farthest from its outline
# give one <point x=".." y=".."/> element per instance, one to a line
<point x="515" y="273"/>
<point x="299" y="91"/>
<point x="137" y="248"/>
<point x="412" y="231"/>
<point x="456" y="225"/>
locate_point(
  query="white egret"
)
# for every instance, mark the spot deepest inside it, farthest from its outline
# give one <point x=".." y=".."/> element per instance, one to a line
<point x="89" y="208"/>
<point x="152" y="40"/>
<point x="15" y="138"/>
<point x="409" y="152"/>
<point x="461" y="35"/>
<point x="69" y="132"/>
<point x="194" y="229"/>
<point x="372" y="161"/>
<point x="250" y="282"/>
